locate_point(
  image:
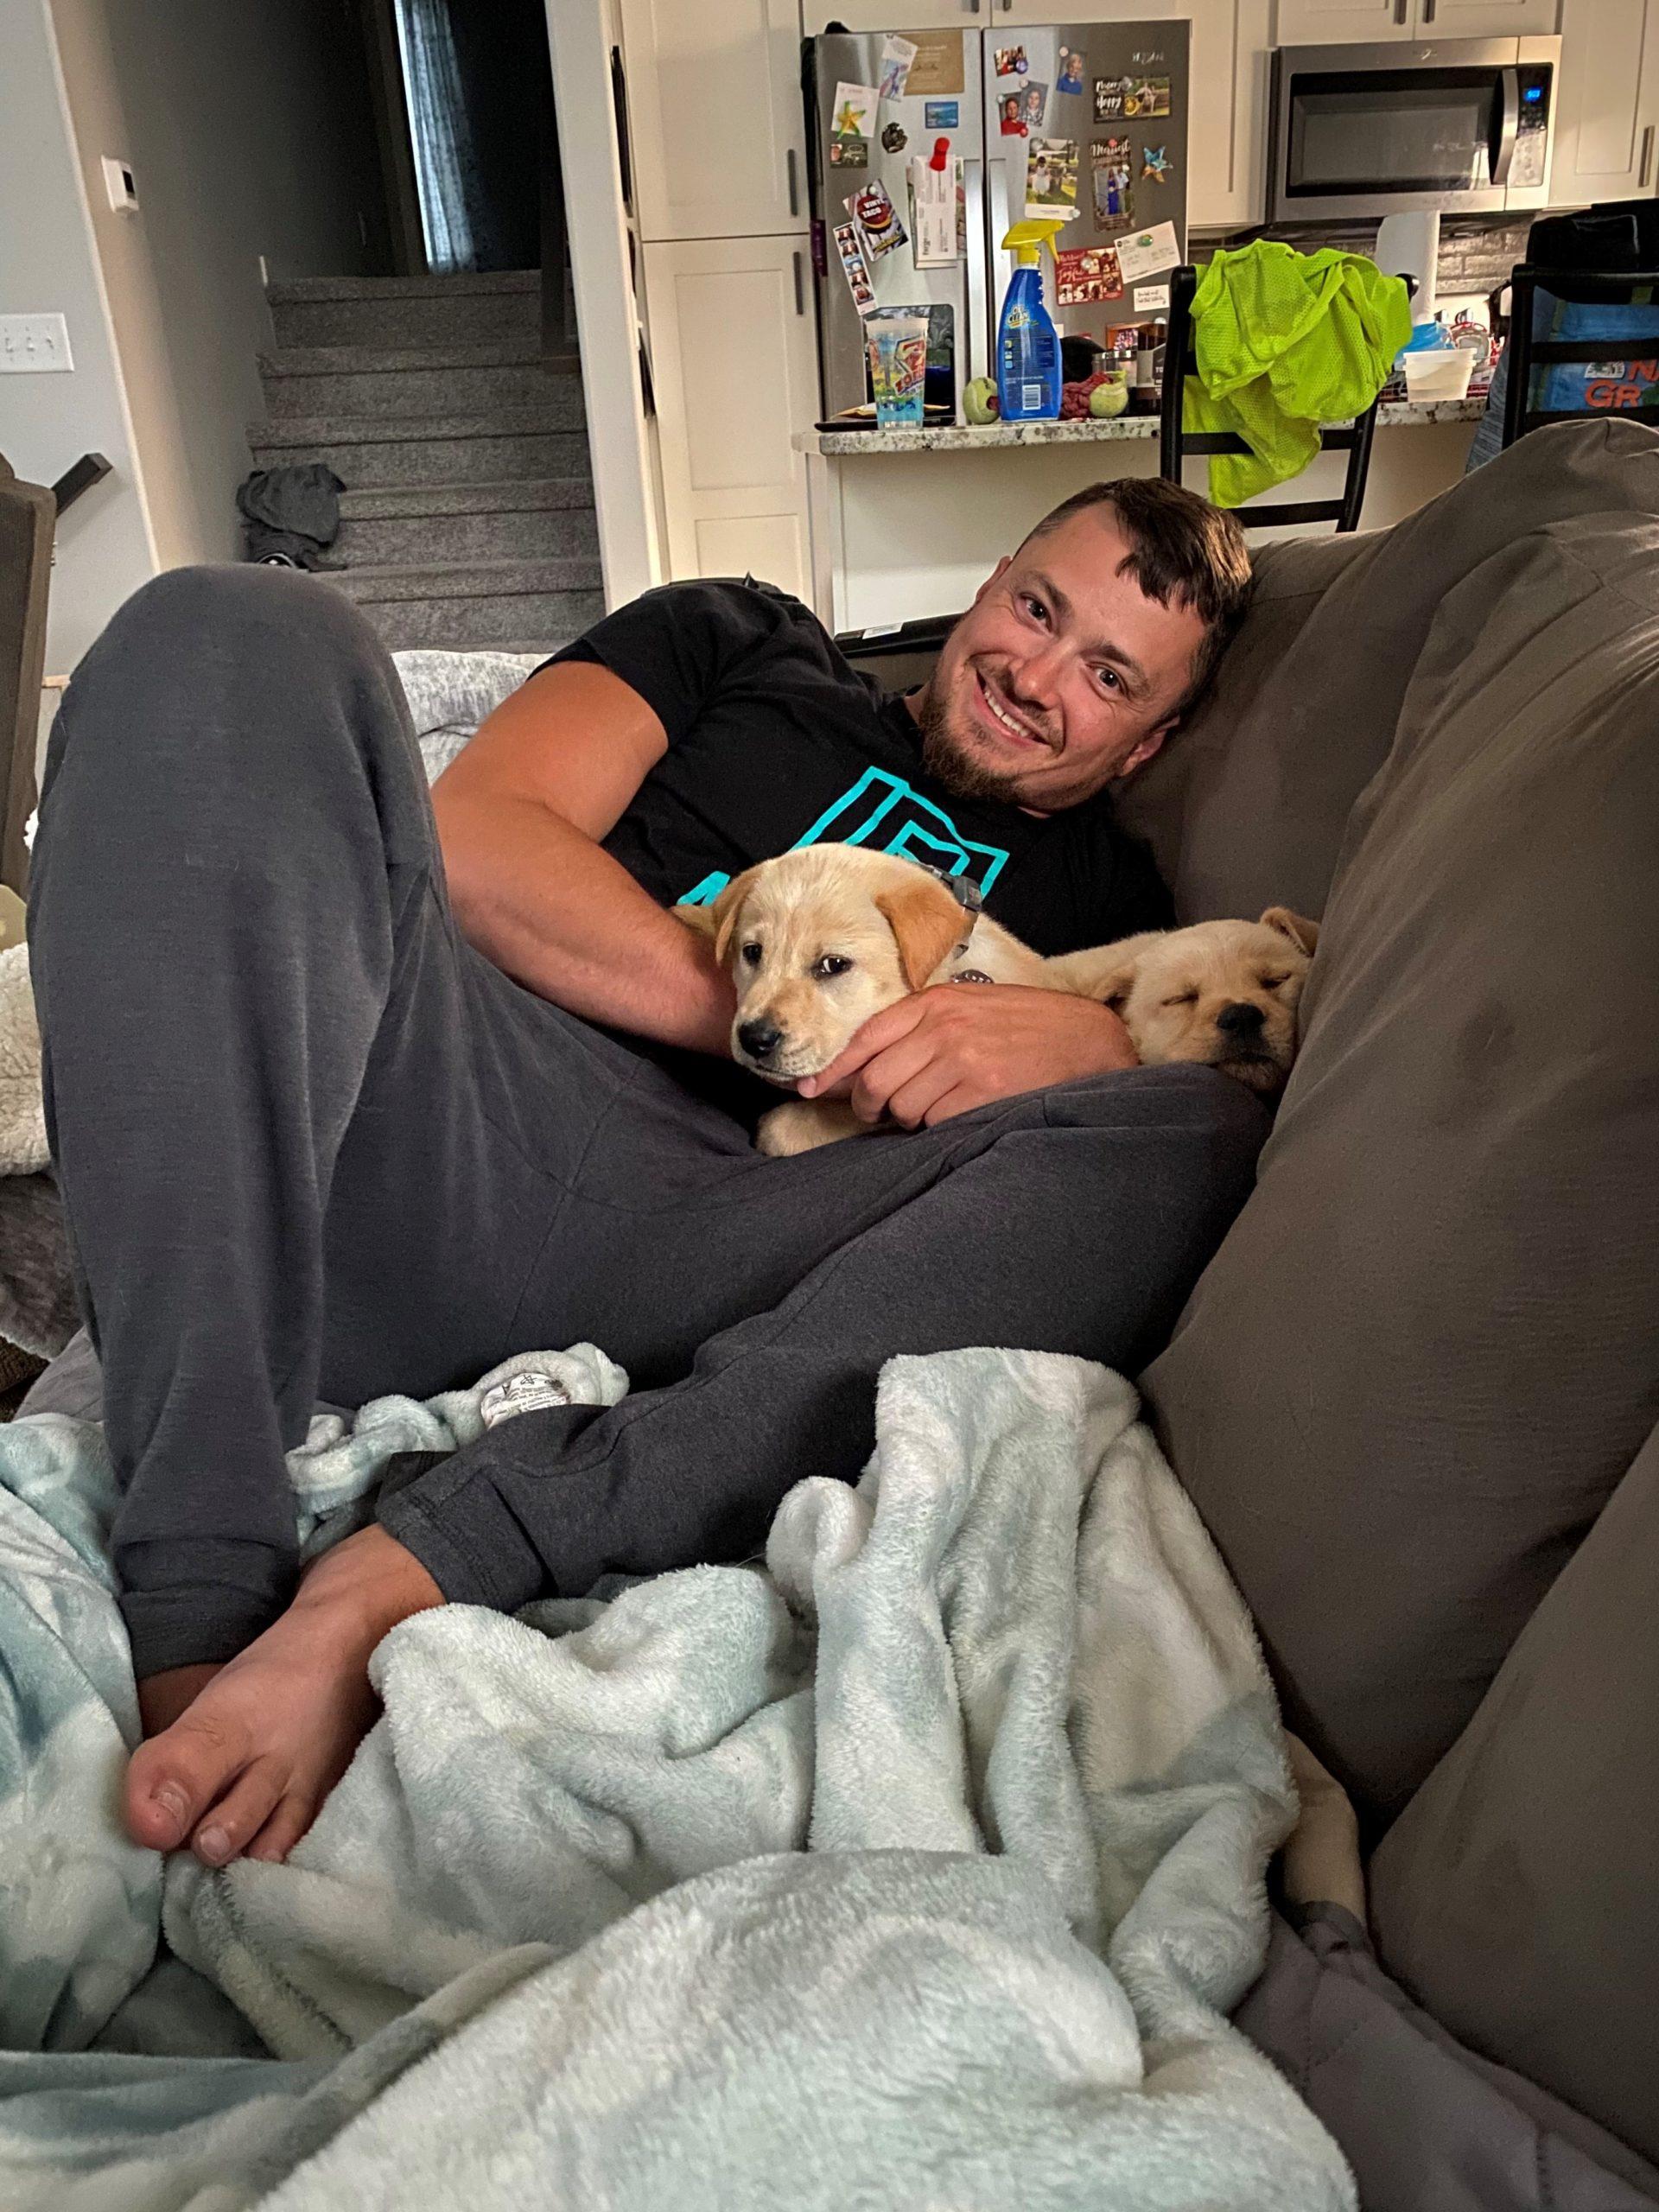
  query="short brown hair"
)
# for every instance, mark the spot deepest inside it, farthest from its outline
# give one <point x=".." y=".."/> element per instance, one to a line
<point x="1180" y="548"/>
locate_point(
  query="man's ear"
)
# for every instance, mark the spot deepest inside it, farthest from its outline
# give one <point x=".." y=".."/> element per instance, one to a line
<point x="994" y="577"/>
<point x="727" y="908"/>
<point x="1151" y="743"/>
<point x="1302" y="933"/>
<point x="927" y="923"/>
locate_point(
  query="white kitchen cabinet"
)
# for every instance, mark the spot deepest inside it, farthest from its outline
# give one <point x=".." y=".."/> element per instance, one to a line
<point x="735" y="366"/>
<point x="1226" y="135"/>
<point x="1607" y="106"/>
<point x="1341" y="23"/>
<point x="715" y="128"/>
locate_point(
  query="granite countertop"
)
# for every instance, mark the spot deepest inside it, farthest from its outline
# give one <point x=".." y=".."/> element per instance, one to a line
<point x="834" y="444"/>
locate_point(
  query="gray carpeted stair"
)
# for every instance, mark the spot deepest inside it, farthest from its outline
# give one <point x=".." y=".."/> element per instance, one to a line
<point x="468" y="516"/>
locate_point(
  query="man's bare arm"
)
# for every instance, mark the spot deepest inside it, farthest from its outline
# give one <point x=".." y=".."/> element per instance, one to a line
<point x="520" y="814"/>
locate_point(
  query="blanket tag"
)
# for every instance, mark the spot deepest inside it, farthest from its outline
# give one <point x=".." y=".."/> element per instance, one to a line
<point x="526" y="1392"/>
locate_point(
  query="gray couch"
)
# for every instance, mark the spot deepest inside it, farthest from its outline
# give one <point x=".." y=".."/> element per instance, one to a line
<point x="1414" y="1395"/>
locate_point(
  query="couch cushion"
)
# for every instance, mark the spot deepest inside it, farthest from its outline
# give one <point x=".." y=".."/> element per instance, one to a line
<point x="1425" y="1353"/>
<point x="1247" y="807"/>
<point x="1517" y="1894"/>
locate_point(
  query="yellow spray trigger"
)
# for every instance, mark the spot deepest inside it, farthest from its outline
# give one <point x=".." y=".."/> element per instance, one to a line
<point x="1025" y="240"/>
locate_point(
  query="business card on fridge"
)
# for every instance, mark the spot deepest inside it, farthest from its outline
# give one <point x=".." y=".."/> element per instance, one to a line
<point x="1144" y="253"/>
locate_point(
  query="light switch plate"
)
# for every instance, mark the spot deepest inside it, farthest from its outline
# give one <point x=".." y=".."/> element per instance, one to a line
<point x="32" y="343"/>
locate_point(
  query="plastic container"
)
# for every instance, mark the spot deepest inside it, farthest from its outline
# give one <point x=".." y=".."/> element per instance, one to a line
<point x="1437" y="372"/>
<point x="1029" y="383"/>
<point x="898" y="355"/>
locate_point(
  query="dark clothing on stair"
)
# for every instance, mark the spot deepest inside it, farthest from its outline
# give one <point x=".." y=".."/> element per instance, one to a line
<point x="291" y="513"/>
<point x="311" y="1143"/>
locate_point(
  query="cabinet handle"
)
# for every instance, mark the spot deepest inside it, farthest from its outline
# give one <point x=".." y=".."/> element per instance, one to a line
<point x="1428" y="11"/>
<point x="972" y="6"/>
<point x="1399" y="11"/>
<point x="794" y="188"/>
<point x="1647" y="159"/>
<point x="800" y="288"/>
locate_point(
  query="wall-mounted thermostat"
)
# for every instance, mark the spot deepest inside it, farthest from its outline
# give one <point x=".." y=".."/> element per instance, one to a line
<point x="120" y="184"/>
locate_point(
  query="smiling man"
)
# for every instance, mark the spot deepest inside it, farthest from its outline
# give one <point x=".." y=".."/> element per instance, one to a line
<point x="348" y="1100"/>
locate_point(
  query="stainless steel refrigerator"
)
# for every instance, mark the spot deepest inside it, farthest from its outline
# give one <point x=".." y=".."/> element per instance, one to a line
<point x="1087" y="120"/>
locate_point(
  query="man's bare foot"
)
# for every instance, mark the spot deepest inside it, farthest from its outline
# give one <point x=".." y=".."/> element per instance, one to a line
<point x="248" y="1761"/>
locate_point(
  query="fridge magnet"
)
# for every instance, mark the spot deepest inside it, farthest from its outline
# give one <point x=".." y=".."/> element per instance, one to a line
<point x="1034" y="111"/>
<point x="937" y="66"/>
<point x="1151" y="299"/>
<point x="941" y="115"/>
<point x="854" y="113"/>
<point x="893" y="138"/>
<point x="1113" y="203"/>
<point x="1011" y="62"/>
<point x="852" y="267"/>
<point x="1146" y="96"/>
<point x="932" y="189"/>
<point x="1111" y="92"/>
<point x="897" y="55"/>
<point x="1086" y="274"/>
<point x="1069" y="78"/>
<point x="1154" y="163"/>
<point x="880" y="228"/>
<point x="1052" y="177"/>
<point x="1145" y="252"/>
<point x="849" y="153"/>
<point x="1011" y="115"/>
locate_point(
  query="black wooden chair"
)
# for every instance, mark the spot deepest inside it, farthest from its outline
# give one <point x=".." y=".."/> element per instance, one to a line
<point x="1527" y="355"/>
<point x="1177" y="443"/>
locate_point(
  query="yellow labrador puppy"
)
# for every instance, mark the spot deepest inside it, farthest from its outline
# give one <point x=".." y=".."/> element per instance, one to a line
<point x="819" y="939"/>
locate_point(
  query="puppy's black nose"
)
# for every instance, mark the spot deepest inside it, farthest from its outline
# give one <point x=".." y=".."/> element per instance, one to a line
<point x="759" y="1040"/>
<point x="1241" y="1019"/>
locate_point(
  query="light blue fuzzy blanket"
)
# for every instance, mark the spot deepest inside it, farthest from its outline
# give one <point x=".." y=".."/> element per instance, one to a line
<point x="918" y="1865"/>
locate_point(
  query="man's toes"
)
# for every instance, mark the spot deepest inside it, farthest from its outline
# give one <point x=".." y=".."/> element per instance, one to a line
<point x="230" y="1825"/>
<point x="174" y="1778"/>
<point x="283" y="1829"/>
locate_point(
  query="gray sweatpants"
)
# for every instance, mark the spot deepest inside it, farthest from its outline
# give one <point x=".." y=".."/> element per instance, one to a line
<point x="312" y="1144"/>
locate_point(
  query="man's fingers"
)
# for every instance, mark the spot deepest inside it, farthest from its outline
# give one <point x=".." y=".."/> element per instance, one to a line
<point x="880" y="1030"/>
<point x="890" y="1072"/>
<point x="238" y="1816"/>
<point x="913" y="1098"/>
<point x="175" y="1778"/>
<point x="283" y="1829"/>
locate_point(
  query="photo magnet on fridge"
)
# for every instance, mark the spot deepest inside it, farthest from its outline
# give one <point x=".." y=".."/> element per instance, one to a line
<point x="1112" y="161"/>
<point x="942" y="115"/>
<point x="1034" y="105"/>
<point x="853" y="115"/>
<point x="1052" y="177"/>
<point x="853" y="268"/>
<point x="897" y="55"/>
<point x="1011" y="115"/>
<point x="1069" y="77"/>
<point x="1111" y="92"/>
<point x="1146" y="96"/>
<point x="849" y="153"/>
<point x="1011" y="62"/>
<point x="1086" y="274"/>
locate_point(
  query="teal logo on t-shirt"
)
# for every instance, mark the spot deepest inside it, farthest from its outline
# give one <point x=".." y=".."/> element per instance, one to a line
<point x="882" y="809"/>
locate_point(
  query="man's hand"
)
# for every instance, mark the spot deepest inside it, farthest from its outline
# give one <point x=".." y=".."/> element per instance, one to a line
<point x="943" y="1051"/>
<point x="246" y="1762"/>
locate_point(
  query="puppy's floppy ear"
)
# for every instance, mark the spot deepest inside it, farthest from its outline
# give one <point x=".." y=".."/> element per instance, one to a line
<point x="1302" y="933"/>
<point x="926" y="921"/>
<point x="700" y="919"/>
<point x="1105" y="972"/>
<point x="727" y="908"/>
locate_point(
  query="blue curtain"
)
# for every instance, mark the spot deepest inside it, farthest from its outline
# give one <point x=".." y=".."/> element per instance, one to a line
<point x="454" y="212"/>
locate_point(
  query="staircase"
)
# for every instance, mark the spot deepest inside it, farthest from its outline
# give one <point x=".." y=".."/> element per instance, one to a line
<point x="467" y="519"/>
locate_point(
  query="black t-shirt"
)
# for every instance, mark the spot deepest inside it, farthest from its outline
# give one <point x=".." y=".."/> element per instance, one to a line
<point x="774" y="741"/>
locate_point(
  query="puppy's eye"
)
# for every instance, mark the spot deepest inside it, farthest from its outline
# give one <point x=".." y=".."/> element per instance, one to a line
<point x="833" y="963"/>
<point x="1183" y="998"/>
<point x="751" y="955"/>
<point x="1272" y="982"/>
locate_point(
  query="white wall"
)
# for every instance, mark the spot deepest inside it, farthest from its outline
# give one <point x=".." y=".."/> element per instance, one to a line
<point x="247" y="127"/>
<point x="48" y="262"/>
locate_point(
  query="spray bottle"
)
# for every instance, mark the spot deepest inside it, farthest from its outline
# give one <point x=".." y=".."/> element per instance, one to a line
<point x="1028" y="380"/>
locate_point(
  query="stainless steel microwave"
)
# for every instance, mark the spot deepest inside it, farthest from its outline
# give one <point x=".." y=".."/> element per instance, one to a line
<point x="1458" y="124"/>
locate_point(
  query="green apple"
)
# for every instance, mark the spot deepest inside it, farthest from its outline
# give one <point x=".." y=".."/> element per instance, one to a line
<point x="1109" y="399"/>
<point x="979" y="401"/>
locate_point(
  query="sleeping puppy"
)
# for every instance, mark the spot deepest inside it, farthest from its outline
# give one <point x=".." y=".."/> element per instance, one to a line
<point x="819" y="939"/>
<point x="1222" y="993"/>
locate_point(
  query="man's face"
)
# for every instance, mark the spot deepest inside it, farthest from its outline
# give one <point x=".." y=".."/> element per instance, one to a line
<point x="1061" y="676"/>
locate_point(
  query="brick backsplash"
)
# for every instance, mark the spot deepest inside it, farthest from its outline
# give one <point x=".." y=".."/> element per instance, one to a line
<point x="1477" y="252"/>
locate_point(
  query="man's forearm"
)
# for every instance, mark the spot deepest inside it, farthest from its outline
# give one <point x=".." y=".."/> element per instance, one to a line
<point x="551" y="908"/>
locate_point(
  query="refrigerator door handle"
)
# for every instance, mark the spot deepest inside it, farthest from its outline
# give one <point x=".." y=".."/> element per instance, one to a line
<point x="978" y="348"/>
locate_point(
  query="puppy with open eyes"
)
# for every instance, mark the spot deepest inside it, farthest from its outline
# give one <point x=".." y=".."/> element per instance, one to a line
<point x="819" y="939"/>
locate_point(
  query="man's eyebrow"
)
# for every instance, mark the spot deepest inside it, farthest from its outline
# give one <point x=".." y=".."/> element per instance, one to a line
<point x="1138" y="677"/>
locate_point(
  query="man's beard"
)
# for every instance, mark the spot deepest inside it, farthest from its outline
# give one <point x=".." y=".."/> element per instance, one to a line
<point x="954" y="767"/>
